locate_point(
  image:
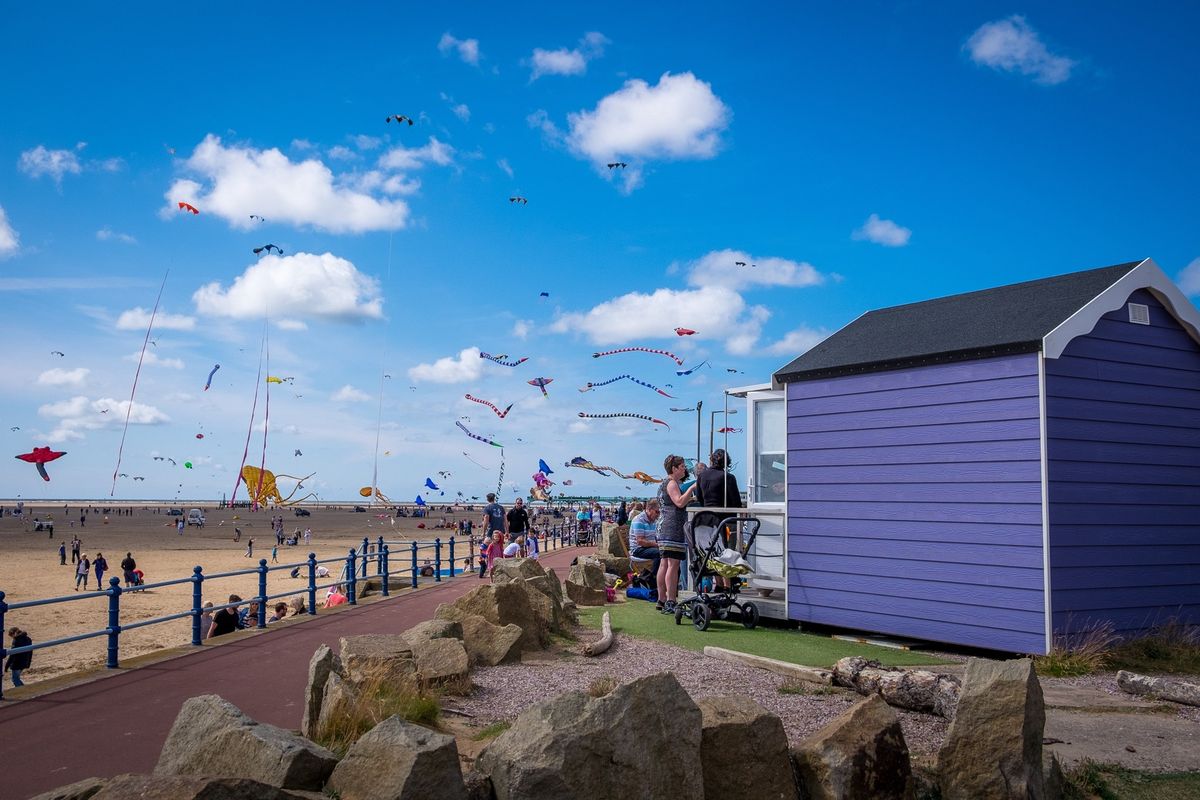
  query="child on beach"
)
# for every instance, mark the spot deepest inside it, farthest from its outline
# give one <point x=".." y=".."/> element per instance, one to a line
<point x="81" y="572"/>
<point x="249" y="549"/>
<point x="18" y="661"/>
<point x="206" y="620"/>
<point x="495" y="551"/>
<point x="275" y="554"/>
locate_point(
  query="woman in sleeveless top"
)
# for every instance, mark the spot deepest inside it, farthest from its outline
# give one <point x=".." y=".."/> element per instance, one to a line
<point x="672" y="546"/>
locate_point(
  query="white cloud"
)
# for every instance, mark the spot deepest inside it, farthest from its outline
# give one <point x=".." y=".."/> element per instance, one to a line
<point x="107" y="234"/>
<point x="77" y="415"/>
<point x="468" y="366"/>
<point x="462" y="111"/>
<point x="348" y="394"/>
<point x="152" y="359"/>
<point x="502" y="164"/>
<point x="467" y="49"/>
<point x="1189" y="278"/>
<point x="240" y="181"/>
<point x="882" y="231"/>
<point x="798" y="342"/>
<point x="679" y="118"/>
<point x="290" y="325"/>
<point x="300" y="285"/>
<point x="56" y="163"/>
<point x="138" y="319"/>
<point x="521" y="328"/>
<point x="720" y="268"/>
<point x="340" y="152"/>
<point x="568" y="62"/>
<point x="9" y="240"/>
<point x="410" y="158"/>
<point x="63" y="377"/>
<point x="364" y="142"/>
<point x="1011" y="45"/>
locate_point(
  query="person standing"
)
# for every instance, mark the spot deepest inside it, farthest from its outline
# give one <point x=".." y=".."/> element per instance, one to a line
<point x="62" y="553"/>
<point x="76" y="545"/>
<point x="82" y="570"/>
<point x="249" y="548"/>
<point x="128" y="565"/>
<point x="101" y="567"/>
<point x="518" y="520"/>
<point x="672" y="546"/>
<point x="493" y="517"/>
<point x="495" y="551"/>
<point x="717" y="488"/>
<point x="307" y="536"/>
<point x="18" y="661"/>
<point x="275" y="554"/>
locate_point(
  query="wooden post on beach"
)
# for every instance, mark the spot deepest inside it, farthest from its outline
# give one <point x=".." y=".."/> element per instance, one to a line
<point x="197" y="607"/>
<point x="437" y="559"/>
<point x="312" y="583"/>
<point x="114" y="622"/>
<point x="383" y="569"/>
<point x="262" y="593"/>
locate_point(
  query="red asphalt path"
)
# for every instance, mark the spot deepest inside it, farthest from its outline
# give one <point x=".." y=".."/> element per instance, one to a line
<point x="119" y="722"/>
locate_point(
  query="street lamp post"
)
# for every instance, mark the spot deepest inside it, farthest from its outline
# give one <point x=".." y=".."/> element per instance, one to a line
<point x="699" y="405"/>
<point x="712" y="424"/>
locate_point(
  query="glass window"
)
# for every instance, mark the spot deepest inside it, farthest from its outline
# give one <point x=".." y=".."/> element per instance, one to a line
<point x="770" y="450"/>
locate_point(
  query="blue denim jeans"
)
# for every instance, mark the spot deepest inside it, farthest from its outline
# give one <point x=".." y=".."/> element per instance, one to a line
<point x="650" y="553"/>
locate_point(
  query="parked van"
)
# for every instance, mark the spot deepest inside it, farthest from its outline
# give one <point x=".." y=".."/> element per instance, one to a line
<point x="195" y="517"/>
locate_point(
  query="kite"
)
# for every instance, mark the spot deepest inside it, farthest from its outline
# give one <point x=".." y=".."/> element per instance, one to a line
<point x="367" y="491"/>
<point x="544" y="294"/>
<point x="568" y="482"/>
<point x="172" y="462"/>
<point x="444" y="474"/>
<point x="267" y="248"/>
<point x="671" y="356"/>
<point x="693" y="408"/>
<point x="492" y="406"/>
<point x="188" y="465"/>
<point x="739" y="263"/>
<point x="431" y="485"/>
<point x="58" y="353"/>
<point x="265" y="488"/>
<point x="123" y="475"/>
<point x="684" y="332"/>
<point x="273" y="379"/>
<point x="400" y="118"/>
<point x="159" y="458"/>
<point x="257" y="217"/>
<point x="419" y="501"/>
<point x="543" y="467"/>
<point x="644" y="478"/>
<point x="208" y="383"/>
<point x="729" y="430"/>
<point x="615" y="164"/>
<point x="541" y="481"/>
<point x="500" y="360"/>
<point x="682" y="372"/>
<point x="476" y="463"/>
<point x="188" y="207"/>
<point x="735" y="371"/>
<point x="591" y="385"/>
<point x="137" y="373"/>
<point x="584" y="415"/>
<point x="15" y="428"/>
<point x="583" y="463"/>
<point x="541" y="383"/>
<point x="138" y="478"/>
<point x="40" y="457"/>
<point x="199" y="435"/>
<point x="477" y="438"/>
<point x="297" y="454"/>
<point x="500" y="480"/>
<point x="520" y="200"/>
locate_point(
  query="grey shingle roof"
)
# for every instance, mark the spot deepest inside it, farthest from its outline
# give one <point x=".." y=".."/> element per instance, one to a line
<point x="1007" y="319"/>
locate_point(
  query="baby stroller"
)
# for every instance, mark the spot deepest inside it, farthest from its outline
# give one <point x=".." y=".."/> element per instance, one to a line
<point x="711" y="555"/>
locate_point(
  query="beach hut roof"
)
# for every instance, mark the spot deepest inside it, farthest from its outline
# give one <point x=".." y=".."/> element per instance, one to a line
<point x="1020" y="317"/>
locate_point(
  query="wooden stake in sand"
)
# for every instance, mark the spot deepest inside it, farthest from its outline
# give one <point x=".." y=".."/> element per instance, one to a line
<point x="604" y="642"/>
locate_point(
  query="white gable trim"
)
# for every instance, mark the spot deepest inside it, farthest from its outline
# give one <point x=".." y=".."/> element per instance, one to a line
<point x="1146" y="275"/>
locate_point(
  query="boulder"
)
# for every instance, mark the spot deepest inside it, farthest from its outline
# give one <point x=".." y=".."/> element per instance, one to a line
<point x="516" y="569"/>
<point x="488" y="645"/>
<point x="1054" y="779"/>
<point x="614" y="541"/>
<point x="642" y="740"/>
<point x="479" y="786"/>
<point x="337" y="701"/>
<point x="993" y="749"/>
<point x="584" y="596"/>
<point x="738" y="731"/>
<point x="548" y="585"/>
<point x="323" y="662"/>
<point x="587" y="572"/>
<point x="433" y="629"/>
<point x="80" y="790"/>
<point x="860" y="754"/>
<point x="212" y="737"/>
<point x="505" y="604"/>
<point x="189" y="787"/>
<point x="397" y="760"/>
<point x="442" y="660"/>
<point x="376" y="657"/>
<point x="570" y="612"/>
<point x="615" y="565"/>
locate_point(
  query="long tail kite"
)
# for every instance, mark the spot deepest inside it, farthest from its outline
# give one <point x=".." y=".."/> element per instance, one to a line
<point x="492" y="406"/>
<point x="584" y="415"/>
<point x="40" y="457"/>
<point x="591" y="385"/>
<point x="541" y="383"/>
<point x="208" y="383"/>
<point x="500" y="360"/>
<point x="583" y="463"/>
<point x="671" y="356"/>
<point x="690" y="371"/>
<point x="500" y="480"/>
<point x="478" y="438"/>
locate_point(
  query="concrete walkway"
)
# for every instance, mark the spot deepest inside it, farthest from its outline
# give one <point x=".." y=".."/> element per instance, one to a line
<point x="118" y="723"/>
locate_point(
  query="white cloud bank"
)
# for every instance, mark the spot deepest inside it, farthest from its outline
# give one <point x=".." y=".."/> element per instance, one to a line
<point x="41" y="161"/>
<point x="10" y="242"/>
<point x="348" y="394"/>
<point x="568" y="62"/>
<point x="798" y="342"/>
<point x="882" y="231"/>
<point x="467" y="49"/>
<point x="77" y="415"/>
<point x="1189" y="278"/>
<point x="467" y="366"/>
<point x="107" y="234"/>
<point x="138" y="319"/>
<point x="63" y="377"/>
<point x="1011" y="45"/>
<point x="298" y="286"/>
<point x="722" y="268"/>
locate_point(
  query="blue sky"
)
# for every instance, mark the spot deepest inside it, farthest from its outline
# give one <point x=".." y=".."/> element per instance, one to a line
<point x="857" y="157"/>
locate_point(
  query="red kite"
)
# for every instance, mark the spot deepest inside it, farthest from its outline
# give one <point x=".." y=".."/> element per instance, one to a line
<point x="40" y="457"/>
<point x="684" y="332"/>
<point x="188" y="207"/>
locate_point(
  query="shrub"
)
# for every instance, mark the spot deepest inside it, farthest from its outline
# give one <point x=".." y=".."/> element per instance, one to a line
<point x="797" y="686"/>
<point x="1170" y="647"/>
<point x="375" y="701"/>
<point x="602" y="686"/>
<point x="1079" y="653"/>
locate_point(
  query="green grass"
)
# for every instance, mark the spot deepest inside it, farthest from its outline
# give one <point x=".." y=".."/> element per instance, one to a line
<point x="1111" y="782"/>
<point x="1170" y="648"/>
<point x="492" y="731"/>
<point x="638" y="618"/>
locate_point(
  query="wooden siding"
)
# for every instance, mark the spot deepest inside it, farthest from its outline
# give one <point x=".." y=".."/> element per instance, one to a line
<point x="1123" y="448"/>
<point x="914" y="503"/>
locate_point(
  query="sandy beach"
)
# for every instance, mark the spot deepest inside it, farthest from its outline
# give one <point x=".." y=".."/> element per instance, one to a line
<point x="30" y="569"/>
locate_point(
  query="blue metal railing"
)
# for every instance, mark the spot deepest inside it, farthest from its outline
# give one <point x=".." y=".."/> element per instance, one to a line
<point x="354" y="568"/>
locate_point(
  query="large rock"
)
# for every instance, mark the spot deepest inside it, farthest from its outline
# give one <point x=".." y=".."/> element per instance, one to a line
<point x="212" y="737"/>
<point x="397" y="760"/>
<point x="506" y="604"/>
<point x="587" y="572"/>
<point x="993" y="750"/>
<point x="488" y="645"/>
<point x="642" y="740"/>
<point x="441" y="660"/>
<point x="860" y="754"/>
<point x="516" y="569"/>
<point x="338" y="700"/>
<point x="433" y="629"/>
<point x="548" y="585"/>
<point x="80" y="790"/>
<point x="374" y="585"/>
<point x="479" y="786"/>
<point x="738" y="731"/>
<point x="323" y="662"/>
<point x="189" y="787"/>
<point x="377" y="658"/>
<point x="585" y="596"/>
<point x="615" y="565"/>
<point x="614" y="541"/>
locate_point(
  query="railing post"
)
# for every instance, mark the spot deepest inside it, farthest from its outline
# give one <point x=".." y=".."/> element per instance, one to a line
<point x="262" y="593"/>
<point x="114" y="622"/>
<point x="312" y="583"/>
<point x="451" y="556"/>
<point x="351" y="577"/>
<point x="365" y="552"/>
<point x="414" y="565"/>
<point x="197" y="604"/>
<point x="3" y="650"/>
<point x="385" y="589"/>
<point x="437" y="559"/>
<point x="379" y="557"/>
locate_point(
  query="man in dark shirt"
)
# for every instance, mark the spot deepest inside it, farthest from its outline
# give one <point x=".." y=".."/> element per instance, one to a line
<point x="493" y="516"/>
<point x="518" y="519"/>
<point x="225" y="620"/>
<point x="128" y="565"/>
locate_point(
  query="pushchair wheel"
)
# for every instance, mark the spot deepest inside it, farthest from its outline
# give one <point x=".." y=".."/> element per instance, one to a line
<point x="749" y="616"/>
<point x="701" y="616"/>
<point x="679" y="614"/>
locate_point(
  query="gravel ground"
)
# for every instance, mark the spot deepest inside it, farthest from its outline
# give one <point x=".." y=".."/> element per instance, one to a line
<point x="503" y="692"/>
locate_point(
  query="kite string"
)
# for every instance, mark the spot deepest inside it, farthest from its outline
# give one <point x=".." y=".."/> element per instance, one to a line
<point x="382" y="368"/>
<point x="253" y="411"/>
<point x="262" y="467"/>
<point x="133" y="390"/>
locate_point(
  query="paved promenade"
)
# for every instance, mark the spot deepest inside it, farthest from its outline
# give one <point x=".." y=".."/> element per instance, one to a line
<point x="118" y="723"/>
